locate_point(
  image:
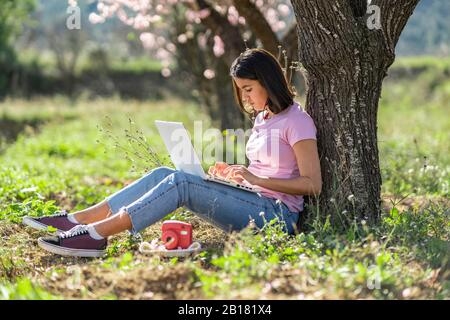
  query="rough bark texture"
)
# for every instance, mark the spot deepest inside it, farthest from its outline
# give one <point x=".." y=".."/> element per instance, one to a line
<point x="346" y="63"/>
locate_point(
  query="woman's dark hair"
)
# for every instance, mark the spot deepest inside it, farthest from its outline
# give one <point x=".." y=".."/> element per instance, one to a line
<point x="259" y="64"/>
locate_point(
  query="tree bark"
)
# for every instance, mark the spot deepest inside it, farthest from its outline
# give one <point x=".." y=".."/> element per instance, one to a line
<point x="346" y="63"/>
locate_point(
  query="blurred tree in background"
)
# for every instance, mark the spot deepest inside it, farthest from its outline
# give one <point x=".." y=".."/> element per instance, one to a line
<point x="12" y="16"/>
<point x="201" y="39"/>
<point x="428" y="31"/>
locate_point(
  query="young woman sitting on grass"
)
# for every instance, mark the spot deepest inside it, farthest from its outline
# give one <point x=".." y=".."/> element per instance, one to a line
<point x="284" y="174"/>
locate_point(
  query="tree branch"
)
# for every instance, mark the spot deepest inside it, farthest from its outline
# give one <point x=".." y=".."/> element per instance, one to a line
<point x="258" y="24"/>
<point x="221" y="26"/>
<point x="394" y="16"/>
<point x="290" y="43"/>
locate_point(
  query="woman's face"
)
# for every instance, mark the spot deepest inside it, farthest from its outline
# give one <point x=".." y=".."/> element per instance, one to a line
<point x="252" y="93"/>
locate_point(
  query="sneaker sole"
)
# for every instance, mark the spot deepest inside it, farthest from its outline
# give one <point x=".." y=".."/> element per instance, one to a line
<point x="37" y="225"/>
<point x="86" y="253"/>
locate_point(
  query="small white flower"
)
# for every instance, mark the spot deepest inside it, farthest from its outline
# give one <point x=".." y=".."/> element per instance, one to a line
<point x="332" y="200"/>
<point x="351" y="197"/>
<point x="261" y="214"/>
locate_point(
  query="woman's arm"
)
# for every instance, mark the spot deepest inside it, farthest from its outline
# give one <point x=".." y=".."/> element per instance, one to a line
<point x="309" y="183"/>
<point x="310" y="180"/>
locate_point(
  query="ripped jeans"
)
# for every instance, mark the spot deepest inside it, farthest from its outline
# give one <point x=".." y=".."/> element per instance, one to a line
<point x="163" y="190"/>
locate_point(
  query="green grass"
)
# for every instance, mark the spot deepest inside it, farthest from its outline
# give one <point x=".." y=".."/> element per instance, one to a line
<point x="72" y="155"/>
<point x="70" y="161"/>
<point x="414" y="135"/>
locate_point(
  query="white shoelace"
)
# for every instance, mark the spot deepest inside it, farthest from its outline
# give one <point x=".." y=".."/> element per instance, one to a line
<point x="60" y="213"/>
<point x="75" y="231"/>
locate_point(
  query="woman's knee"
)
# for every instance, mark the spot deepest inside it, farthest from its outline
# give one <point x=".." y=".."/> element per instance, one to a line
<point x="162" y="171"/>
<point x="178" y="177"/>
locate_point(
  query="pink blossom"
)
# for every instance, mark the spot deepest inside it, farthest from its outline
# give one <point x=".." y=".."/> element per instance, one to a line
<point x="219" y="46"/>
<point x="204" y="13"/>
<point x="280" y="25"/>
<point x="209" y="74"/>
<point x="233" y="15"/>
<point x="100" y="6"/>
<point x="162" y="54"/>
<point x="95" y="18"/>
<point x="141" y="22"/>
<point x="166" y="72"/>
<point x="154" y="18"/>
<point x="171" y="47"/>
<point x="182" y="38"/>
<point x="148" y="40"/>
<point x="190" y="15"/>
<point x="272" y="16"/>
<point x="196" y="16"/>
<point x="122" y="15"/>
<point x="284" y="9"/>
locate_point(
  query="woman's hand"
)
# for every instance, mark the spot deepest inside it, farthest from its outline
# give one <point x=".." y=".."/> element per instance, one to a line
<point x="239" y="173"/>
<point x="217" y="169"/>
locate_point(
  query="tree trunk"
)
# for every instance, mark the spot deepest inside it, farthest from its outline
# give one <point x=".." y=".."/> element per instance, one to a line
<point x="346" y="63"/>
<point x="228" y="111"/>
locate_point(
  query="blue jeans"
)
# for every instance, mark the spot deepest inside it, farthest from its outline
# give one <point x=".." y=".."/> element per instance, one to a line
<point x="162" y="190"/>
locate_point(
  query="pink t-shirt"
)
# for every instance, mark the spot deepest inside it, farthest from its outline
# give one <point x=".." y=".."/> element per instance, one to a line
<point x="270" y="149"/>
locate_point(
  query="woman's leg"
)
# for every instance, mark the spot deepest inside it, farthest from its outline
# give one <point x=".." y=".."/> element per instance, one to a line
<point x="226" y="207"/>
<point x="92" y="214"/>
<point x="129" y="194"/>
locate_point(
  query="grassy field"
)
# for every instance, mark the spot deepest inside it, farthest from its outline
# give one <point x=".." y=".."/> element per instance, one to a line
<point x="64" y="157"/>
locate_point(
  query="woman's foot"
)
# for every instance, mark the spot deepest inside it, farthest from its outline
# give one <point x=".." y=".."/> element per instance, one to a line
<point x="60" y="221"/>
<point x="76" y="242"/>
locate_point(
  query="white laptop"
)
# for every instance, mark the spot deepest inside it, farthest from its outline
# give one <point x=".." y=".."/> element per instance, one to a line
<point x="183" y="155"/>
